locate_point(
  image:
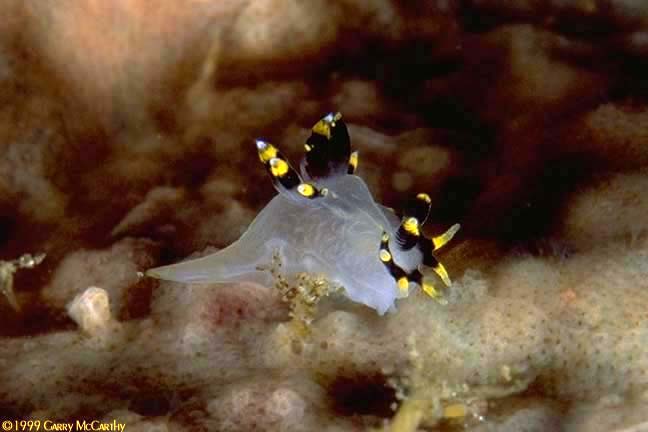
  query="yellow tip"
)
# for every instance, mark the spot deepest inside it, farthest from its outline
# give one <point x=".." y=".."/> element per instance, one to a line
<point x="322" y="128"/>
<point x="266" y="151"/>
<point x="403" y="284"/>
<point x="443" y="274"/>
<point x="424" y="197"/>
<point x="306" y="189"/>
<point x="429" y="289"/>
<point x="385" y="256"/>
<point x="411" y="225"/>
<point x="385" y="237"/>
<point x="444" y="238"/>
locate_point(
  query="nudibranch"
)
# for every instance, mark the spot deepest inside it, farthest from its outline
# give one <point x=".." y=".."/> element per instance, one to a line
<point x="325" y="221"/>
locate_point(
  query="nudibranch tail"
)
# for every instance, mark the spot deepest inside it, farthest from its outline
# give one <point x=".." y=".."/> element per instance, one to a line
<point x="226" y="265"/>
<point x="328" y="149"/>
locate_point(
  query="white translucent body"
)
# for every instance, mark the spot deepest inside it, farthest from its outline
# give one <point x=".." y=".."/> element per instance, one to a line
<point x="337" y="235"/>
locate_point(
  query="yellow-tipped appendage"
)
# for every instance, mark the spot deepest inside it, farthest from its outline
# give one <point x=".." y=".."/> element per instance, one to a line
<point x="443" y="274"/>
<point x="441" y="240"/>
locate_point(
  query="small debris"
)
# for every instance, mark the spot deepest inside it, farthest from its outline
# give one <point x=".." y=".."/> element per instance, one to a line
<point x="7" y="270"/>
<point x="91" y="310"/>
<point x="302" y="295"/>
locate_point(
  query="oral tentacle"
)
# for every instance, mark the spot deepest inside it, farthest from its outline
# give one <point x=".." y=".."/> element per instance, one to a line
<point x="428" y="246"/>
<point x="441" y="240"/>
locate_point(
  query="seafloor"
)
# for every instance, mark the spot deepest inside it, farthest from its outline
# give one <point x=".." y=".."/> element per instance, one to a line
<point x="126" y="128"/>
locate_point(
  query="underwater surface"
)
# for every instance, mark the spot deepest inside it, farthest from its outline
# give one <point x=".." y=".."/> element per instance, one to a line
<point x="191" y="238"/>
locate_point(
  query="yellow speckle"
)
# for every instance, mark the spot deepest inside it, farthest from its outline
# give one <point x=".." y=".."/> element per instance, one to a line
<point x="385" y="237"/>
<point x="307" y="147"/>
<point x="455" y="411"/>
<point x="385" y="256"/>
<point x="411" y="225"/>
<point x="306" y="189"/>
<point x="278" y="167"/>
<point x="424" y="197"/>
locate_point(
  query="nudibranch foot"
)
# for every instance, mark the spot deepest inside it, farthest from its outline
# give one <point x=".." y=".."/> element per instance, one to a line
<point x="326" y="228"/>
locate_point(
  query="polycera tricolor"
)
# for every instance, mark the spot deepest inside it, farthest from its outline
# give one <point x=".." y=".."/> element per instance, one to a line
<point x="325" y="221"/>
